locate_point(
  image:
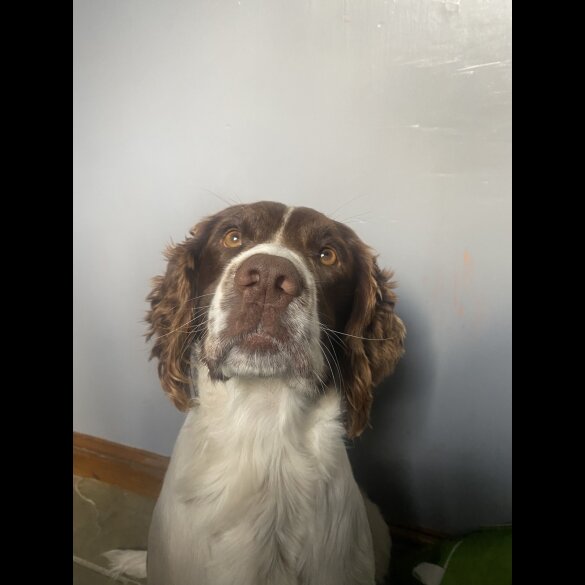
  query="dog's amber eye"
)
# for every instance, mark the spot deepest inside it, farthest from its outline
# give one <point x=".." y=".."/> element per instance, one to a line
<point x="233" y="239"/>
<point x="328" y="256"/>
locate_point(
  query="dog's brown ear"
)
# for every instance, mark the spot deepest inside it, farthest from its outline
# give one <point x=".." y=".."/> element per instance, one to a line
<point x="171" y="316"/>
<point x="375" y="339"/>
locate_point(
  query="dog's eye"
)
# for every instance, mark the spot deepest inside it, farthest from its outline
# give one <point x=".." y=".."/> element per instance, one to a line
<point x="233" y="239"/>
<point x="328" y="256"/>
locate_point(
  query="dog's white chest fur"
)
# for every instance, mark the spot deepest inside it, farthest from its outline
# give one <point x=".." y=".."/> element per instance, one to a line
<point x="260" y="492"/>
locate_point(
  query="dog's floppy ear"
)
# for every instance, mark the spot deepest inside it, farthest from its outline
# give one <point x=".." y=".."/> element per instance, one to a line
<point x="375" y="339"/>
<point x="171" y="316"/>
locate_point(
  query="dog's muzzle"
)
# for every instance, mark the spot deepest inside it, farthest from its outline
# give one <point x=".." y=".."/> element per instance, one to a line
<point x="264" y="286"/>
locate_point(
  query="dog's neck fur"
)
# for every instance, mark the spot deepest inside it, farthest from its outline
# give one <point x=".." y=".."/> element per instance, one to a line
<point x="268" y="423"/>
<point x="260" y="457"/>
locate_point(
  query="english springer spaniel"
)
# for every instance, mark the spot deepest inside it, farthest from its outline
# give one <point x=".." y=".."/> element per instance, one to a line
<point x="271" y="327"/>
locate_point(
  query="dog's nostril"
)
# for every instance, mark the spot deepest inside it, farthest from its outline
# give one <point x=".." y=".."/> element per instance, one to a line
<point x="253" y="276"/>
<point x="248" y="277"/>
<point x="287" y="284"/>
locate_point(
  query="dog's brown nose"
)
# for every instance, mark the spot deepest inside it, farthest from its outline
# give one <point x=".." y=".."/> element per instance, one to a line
<point x="271" y="279"/>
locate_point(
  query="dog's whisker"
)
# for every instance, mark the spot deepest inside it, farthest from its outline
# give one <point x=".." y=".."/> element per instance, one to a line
<point x="319" y="380"/>
<point x="335" y="359"/>
<point x="329" y="364"/>
<point x="190" y="300"/>
<point x="336" y="362"/>
<point x="179" y="328"/>
<point x="364" y="338"/>
<point x="363" y="214"/>
<point x="333" y="336"/>
<point x="332" y="214"/>
<point x="221" y="198"/>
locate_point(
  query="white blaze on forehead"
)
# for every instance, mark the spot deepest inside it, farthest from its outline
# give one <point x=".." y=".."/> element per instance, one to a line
<point x="278" y="235"/>
<point x="273" y="249"/>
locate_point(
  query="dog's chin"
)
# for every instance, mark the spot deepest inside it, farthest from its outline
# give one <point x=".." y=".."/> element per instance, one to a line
<point x="257" y="357"/>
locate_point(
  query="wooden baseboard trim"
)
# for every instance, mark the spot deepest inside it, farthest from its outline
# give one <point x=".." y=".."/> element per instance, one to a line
<point x="416" y="536"/>
<point x="143" y="472"/>
<point x="133" y="469"/>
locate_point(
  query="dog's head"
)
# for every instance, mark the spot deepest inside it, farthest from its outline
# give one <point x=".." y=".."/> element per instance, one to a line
<point x="262" y="290"/>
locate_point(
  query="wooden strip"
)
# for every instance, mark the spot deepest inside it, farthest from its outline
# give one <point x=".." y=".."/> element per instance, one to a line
<point x="416" y="536"/>
<point x="133" y="469"/>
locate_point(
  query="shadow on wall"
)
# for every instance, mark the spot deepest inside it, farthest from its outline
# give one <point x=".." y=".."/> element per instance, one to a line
<point x="383" y="458"/>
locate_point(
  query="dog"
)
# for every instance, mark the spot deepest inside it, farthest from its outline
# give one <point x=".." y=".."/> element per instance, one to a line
<point x="271" y="327"/>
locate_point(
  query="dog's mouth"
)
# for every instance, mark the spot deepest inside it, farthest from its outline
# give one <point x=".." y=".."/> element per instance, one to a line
<point x="256" y="353"/>
<point x="261" y="344"/>
<point x="259" y="341"/>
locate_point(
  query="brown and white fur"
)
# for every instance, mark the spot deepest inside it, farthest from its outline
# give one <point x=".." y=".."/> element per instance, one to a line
<point x="271" y="326"/>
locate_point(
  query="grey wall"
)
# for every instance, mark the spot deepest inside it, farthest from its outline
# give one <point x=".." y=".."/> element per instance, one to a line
<point x="391" y="115"/>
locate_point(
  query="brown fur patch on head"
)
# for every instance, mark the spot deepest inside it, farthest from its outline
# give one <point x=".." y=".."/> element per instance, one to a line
<point x="377" y="338"/>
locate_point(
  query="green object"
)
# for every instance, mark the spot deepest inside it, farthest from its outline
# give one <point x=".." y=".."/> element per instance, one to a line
<point x="480" y="558"/>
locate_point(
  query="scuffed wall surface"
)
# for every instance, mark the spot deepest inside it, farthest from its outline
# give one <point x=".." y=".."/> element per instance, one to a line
<point x="392" y="116"/>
